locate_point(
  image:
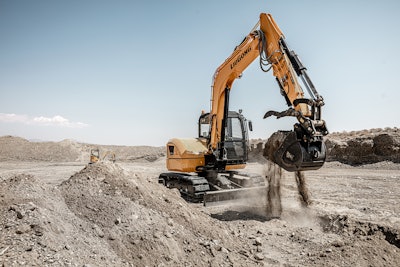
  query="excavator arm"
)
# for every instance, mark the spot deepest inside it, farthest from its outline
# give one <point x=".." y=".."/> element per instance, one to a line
<point x="243" y="55"/>
<point x="302" y="149"/>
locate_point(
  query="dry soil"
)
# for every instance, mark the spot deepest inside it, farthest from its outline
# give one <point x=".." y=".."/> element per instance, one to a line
<point x="56" y="210"/>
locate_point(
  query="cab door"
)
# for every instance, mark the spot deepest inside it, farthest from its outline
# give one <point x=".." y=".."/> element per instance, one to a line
<point x="236" y="140"/>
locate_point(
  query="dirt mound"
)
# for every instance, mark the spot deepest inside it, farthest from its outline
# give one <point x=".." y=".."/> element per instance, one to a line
<point x="145" y="223"/>
<point x="364" y="147"/>
<point x="16" y="148"/>
<point x="106" y="216"/>
<point x="369" y="244"/>
<point x="37" y="228"/>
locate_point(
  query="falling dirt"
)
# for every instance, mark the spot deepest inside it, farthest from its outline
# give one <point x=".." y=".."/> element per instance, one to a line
<point x="304" y="196"/>
<point x="274" y="176"/>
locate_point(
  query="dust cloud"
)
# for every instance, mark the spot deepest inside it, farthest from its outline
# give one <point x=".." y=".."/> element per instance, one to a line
<point x="273" y="175"/>
<point x="269" y="202"/>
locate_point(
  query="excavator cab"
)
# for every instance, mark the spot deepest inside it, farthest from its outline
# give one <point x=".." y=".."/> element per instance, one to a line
<point x="234" y="147"/>
<point x="236" y="139"/>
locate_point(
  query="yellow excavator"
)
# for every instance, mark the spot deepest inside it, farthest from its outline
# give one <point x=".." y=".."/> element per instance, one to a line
<point x="95" y="156"/>
<point x="206" y="167"/>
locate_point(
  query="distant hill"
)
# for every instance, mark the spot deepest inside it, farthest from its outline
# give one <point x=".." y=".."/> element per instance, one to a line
<point x="16" y="148"/>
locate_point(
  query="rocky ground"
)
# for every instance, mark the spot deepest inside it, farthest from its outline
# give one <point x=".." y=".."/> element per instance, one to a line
<point x="56" y="210"/>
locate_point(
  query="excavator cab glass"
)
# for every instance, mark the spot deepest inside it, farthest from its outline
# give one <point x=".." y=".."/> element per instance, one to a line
<point x="204" y="125"/>
<point x="236" y="138"/>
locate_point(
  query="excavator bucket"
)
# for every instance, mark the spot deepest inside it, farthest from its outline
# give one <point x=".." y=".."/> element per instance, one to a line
<point x="293" y="154"/>
<point x="241" y="196"/>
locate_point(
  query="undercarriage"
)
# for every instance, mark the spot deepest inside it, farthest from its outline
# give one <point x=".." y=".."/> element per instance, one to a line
<point x="224" y="187"/>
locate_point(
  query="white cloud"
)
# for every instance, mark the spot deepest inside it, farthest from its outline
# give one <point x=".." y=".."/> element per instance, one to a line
<point x="44" y="121"/>
<point x="4" y="117"/>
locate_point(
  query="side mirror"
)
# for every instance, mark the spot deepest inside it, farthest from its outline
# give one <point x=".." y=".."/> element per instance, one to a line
<point x="250" y="126"/>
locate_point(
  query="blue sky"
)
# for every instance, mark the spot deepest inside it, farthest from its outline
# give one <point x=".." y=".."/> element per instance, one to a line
<point x="139" y="72"/>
